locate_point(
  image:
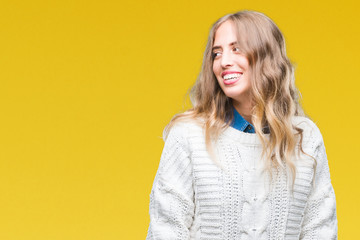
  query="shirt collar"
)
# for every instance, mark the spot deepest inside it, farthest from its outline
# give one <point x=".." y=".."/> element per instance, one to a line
<point x="241" y="124"/>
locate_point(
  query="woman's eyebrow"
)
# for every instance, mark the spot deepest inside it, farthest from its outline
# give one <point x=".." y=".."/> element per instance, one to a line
<point x="219" y="47"/>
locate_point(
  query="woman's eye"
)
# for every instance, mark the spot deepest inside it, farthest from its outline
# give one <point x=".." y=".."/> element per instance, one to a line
<point x="215" y="54"/>
<point x="236" y="49"/>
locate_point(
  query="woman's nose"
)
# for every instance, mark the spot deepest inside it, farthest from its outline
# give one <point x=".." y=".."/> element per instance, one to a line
<point x="226" y="60"/>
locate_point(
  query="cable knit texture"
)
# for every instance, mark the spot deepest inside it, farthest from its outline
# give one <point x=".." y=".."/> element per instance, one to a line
<point x="193" y="198"/>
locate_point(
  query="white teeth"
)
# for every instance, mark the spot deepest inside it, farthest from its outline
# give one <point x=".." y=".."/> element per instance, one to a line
<point x="233" y="75"/>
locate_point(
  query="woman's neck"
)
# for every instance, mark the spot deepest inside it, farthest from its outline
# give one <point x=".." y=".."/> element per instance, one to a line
<point x="244" y="109"/>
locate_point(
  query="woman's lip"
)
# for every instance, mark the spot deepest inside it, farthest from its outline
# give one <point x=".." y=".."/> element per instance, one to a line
<point x="232" y="81"/>
<point x="229" y="72"/>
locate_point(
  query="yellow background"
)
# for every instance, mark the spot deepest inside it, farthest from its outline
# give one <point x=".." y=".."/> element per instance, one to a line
<point x="86" y="88"/>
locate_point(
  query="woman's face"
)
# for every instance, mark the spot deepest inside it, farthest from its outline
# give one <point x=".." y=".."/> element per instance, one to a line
<point x="230" y="66"/>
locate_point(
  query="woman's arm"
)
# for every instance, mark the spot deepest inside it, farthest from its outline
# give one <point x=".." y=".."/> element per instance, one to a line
<point x="320" y="221"/>
<point x="172" y="195"/>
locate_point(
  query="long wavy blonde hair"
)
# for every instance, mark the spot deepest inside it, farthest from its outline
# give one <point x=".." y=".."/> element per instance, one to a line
<point x="274" y="94"/>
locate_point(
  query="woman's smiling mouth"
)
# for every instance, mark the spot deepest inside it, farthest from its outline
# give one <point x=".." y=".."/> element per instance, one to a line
<point x="231" y="77"/>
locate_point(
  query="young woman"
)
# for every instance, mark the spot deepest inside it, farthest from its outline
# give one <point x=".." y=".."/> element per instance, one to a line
<point x="244" y="162"/>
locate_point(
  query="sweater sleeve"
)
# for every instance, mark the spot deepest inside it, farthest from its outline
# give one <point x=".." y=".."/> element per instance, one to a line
<point x="171" y="200"/>
<point x="320" y="220"/>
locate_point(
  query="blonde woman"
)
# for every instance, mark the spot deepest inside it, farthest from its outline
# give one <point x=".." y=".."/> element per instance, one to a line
<point x="244" y="162"/>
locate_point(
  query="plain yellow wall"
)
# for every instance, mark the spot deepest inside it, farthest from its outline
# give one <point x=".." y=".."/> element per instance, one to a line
<point x="86" y="88"/>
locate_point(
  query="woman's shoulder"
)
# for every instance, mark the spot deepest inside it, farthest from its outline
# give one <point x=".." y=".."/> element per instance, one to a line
<point x="183" y="127"/>
<point x="311" y="132"/>
<point x="305" y="123"/>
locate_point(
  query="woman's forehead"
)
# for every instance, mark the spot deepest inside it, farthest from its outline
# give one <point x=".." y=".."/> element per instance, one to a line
<point x="225" y="34"/>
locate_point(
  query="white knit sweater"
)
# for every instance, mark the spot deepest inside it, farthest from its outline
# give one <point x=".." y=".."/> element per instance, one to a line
<point x="192" y="198"/>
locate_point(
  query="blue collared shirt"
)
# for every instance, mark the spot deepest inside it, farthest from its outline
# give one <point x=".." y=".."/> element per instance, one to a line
<point x="241" y="124"/>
